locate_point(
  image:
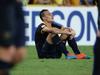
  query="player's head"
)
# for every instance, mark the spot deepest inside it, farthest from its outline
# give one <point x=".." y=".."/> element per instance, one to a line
<point x="45" y="15"/>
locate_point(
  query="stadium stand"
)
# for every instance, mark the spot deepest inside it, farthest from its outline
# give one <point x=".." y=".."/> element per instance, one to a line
<point x="61" y="2"/>
<point x="41" y="2"/>
<point x="87" y="2"/>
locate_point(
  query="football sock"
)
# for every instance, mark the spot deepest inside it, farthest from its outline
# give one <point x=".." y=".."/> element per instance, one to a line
<point x="72" y="43"/>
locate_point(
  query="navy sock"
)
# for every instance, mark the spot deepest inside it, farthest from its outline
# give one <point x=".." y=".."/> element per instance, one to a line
<point x="4" y="68"/>
<point x="96" y="70"/>
<point x="5" y="65"/>
<point x="72" y="43"/>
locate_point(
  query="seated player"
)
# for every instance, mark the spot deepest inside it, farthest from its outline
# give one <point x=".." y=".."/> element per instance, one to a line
<point x="48" y="42"/>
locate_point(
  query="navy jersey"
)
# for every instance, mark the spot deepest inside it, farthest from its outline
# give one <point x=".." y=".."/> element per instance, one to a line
<point x="40" y="37"/>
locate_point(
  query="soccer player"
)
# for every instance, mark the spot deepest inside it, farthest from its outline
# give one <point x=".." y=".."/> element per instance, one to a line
<point x="49" y="44"/>
<point x="96" y="70"/>
<point x="12" y="34"/>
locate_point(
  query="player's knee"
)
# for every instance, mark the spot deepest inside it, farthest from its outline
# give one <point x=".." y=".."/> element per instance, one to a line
<point x="7" y="54"/>
<point x="63" y="37"/>
<point x="73" y="33"/>
<point x="53" y="39"/>
<point x="19" y="55"/>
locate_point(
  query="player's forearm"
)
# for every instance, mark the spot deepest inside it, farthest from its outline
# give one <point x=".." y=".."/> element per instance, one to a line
<point x="59" y="31"/>
<point x="55" y="30"/>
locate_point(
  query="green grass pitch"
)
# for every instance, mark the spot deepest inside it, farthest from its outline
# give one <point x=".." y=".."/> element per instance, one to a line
<point x="34" y="66"/>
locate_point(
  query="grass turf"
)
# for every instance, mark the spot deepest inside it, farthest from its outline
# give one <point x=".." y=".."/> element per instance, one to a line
<point x="34" y="66"/>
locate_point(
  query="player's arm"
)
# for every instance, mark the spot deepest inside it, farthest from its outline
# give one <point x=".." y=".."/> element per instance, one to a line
<point x="54" y="30"/>
<point x="72" y="31"/>
<point x="59" y="26"/>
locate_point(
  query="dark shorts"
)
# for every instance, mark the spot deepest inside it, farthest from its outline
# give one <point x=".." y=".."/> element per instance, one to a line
<point x="12" y="27"/>
<point x="47" y="50"/>
<point x="20" y="26"/>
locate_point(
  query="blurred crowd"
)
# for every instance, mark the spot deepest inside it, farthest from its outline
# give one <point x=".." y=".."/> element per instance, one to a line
<point x="60" y="2"/>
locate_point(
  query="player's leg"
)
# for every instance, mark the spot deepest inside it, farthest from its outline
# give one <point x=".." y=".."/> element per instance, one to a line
<point x="96" y="70"/>
<point x="72" y="43"/>
<point x="52" y="41"/>
<point x="20" y="44"/>
<point x="19" y="55"/>
<point x="19" y="34"/>
<point x="6" y="56"/>
<point x="59" y="44"/>
<point x="7" y="49"/>
<point x="64" y="38"/>
<point x="57" y="41"/>
<point x="48" y="48"/>
<point x="39" y="50"/>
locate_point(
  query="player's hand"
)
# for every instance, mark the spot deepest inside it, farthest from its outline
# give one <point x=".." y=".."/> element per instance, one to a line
<point x="73" y="34"/>
<point x="67" y="31"/>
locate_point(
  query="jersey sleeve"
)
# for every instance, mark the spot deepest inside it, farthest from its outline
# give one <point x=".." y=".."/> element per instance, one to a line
<point x="41" y="27"/>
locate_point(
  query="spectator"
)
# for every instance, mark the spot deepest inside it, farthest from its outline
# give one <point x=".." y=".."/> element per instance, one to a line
<point x="25" y="2"/>
<point x="59" y="2"/>
<point x="71" y="2"/>
<point x="41" y="2"/>
<point x="86" y="2"/>
<point x="31" y="2"/>
<point x="75" y="2"/>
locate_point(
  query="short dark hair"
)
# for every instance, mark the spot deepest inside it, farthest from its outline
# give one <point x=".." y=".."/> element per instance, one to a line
<point x="42" y="13"/>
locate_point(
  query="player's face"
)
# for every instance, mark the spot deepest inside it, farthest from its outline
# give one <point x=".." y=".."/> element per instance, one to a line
<point x="48" y="16"/>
